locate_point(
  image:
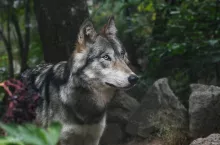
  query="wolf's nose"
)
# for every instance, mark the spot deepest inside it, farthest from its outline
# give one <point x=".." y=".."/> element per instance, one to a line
<point x="133" y="79"/>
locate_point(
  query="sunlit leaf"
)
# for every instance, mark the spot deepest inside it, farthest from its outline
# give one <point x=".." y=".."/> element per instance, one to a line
<point x="31" y="134"/>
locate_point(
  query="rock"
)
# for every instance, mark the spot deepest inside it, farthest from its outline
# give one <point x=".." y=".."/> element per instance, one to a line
<point x="121" y="108"/>
<point x="204" y="110"/>
<point x="213" y="139"/>
<point x="137" y="91"/>
<point x="160" y="109"/>
<point x="112" y="135"/>
<point x="119" y="111"/>
<point x="156" y="141"/>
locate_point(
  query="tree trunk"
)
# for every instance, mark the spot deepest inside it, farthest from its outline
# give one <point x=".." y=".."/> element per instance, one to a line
<point x="27" y="36"/>
<point x="8" y="45"/>
<point x="58" y="23"/>
<point x="129" y="45"/>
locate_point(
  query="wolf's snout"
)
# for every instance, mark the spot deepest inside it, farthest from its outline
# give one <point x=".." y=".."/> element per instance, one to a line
<point x="132" y="79"/>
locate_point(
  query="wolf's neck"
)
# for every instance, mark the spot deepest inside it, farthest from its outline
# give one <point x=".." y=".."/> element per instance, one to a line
<point x="86" y="104"/>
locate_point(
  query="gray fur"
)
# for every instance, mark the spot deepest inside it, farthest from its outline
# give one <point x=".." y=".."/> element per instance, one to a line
<point x="76" y="92"/>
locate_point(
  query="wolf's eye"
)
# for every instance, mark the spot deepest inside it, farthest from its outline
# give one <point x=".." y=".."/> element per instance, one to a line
<point x="107" y="57"/>
<point x="123" y="52"/>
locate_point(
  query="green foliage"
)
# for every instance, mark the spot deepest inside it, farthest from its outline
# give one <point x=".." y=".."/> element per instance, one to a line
<point x="3" y="67"/>
<point x="30" y="134"/>
<point x="190" y="39"/>
<point x="35" y="55"/>
<point x="192" y="31"/>
<point x="16" y="8"/>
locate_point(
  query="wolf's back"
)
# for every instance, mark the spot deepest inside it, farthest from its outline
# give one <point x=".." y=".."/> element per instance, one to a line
<point x="32" y="78"/>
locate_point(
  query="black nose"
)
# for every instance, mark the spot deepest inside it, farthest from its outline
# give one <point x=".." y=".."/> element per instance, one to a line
<point x="133" y="79"/>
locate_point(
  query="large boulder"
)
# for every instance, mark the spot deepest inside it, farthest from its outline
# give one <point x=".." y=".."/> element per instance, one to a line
<point x="204" y="110"/>
<point x="213" y="139"/>
<point x="160" y="110"/>
<point x="121" y="108"/>
<point x="137" y="91"/>
<point x="119" y="111"/>
<point x="113" y="134"/>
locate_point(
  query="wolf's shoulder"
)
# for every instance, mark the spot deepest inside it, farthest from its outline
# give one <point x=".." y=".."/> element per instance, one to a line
<point x="37" y="70"/>
<point x="41" y="67"/>
<point x="37" y="76"/>
<point x="29" y="76"/>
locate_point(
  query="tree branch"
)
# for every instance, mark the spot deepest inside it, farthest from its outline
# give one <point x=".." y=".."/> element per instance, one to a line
<point x="4" y="39"/>
<point x="19" y="35"/>
<point x="8" y="50"/>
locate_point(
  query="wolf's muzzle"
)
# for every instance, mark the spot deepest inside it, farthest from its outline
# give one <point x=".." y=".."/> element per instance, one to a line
<point x="132" y="79"/>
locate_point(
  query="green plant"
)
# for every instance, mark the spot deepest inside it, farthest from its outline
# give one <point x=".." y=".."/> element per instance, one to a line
<point x="29" y="134"/>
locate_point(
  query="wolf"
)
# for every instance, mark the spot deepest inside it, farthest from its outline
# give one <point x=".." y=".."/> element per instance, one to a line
<point x="76" y="92"/>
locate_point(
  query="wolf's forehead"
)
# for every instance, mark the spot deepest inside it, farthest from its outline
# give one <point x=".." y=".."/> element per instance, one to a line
<point x="106" y="44"/>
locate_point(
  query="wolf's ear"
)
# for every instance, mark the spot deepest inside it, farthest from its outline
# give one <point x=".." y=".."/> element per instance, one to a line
<point x="87" y="32"/>
<point x="110" y="28"/>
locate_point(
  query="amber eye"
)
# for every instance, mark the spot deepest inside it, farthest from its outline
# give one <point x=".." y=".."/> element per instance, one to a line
<point x="107" y="57"/>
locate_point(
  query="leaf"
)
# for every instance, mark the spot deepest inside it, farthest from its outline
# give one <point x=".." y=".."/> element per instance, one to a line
<point x="215" y="59"/>
<point x="9" y="140"/>
<point x="213" y="42"/>
<point x="9" y="129"/>
<point x="53" y="133"/>
<point x="149" y="7"/>
<point x="174" y="12"/>
<point x="154" y="16"/>
<point x="31" y="134"/>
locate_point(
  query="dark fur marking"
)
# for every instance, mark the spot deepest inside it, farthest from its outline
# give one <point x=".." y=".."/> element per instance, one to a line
<point x="83" y="67"/>
<point x="89" y="60"/>
<point x="90" y="112"/>
<point x="84" y="110"/>
<point x="103" y="65"/>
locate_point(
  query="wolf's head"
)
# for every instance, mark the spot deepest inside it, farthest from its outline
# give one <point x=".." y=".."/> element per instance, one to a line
<point x="100" y="58"/>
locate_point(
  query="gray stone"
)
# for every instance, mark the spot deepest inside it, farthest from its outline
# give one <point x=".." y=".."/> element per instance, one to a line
<point x="119" y="111"/>
<point x="204" y="110"/>
<point x="213" y="139"/>
<point x="159" y="109"/>
<point x="137" y="91"/>
<point x="112" y="135"/>
<point x="121" y="108"/>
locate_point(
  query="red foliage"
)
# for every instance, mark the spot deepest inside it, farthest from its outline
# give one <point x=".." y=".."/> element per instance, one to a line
<point x="21" y="103"/>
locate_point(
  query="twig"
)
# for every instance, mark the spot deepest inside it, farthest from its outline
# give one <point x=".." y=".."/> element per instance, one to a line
<point x="6" y="88"/>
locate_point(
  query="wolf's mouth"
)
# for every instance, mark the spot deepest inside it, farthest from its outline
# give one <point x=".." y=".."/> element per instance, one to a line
<point x="111" y="85"/>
